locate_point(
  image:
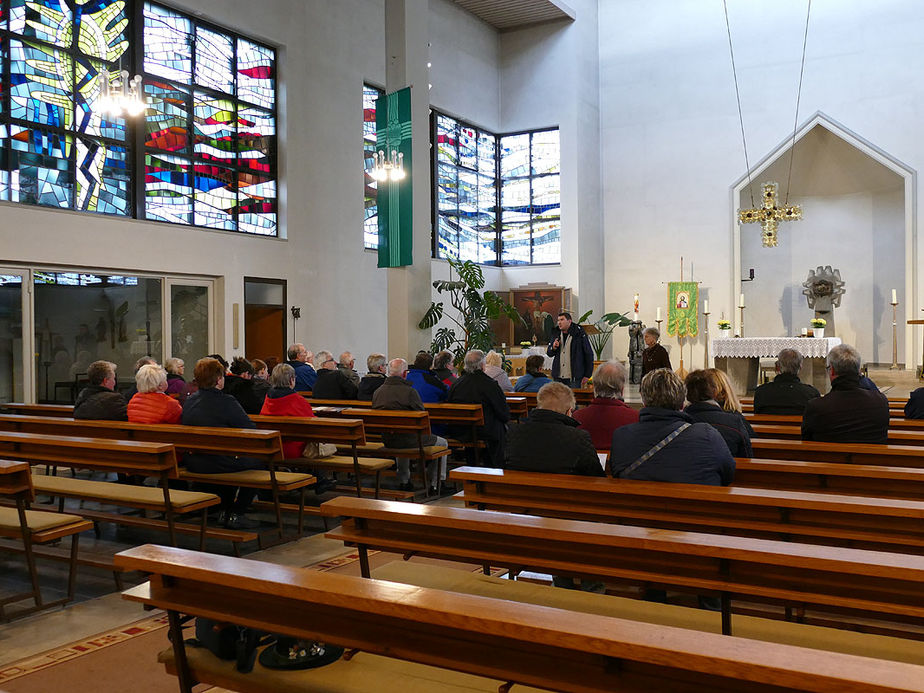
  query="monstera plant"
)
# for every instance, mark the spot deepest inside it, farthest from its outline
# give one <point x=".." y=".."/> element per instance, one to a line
<point x="472" y="310"/>
<point x="605" y="325"/>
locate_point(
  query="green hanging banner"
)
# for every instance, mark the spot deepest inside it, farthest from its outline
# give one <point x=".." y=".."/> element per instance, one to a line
<point x="682" y="301"/>
<point x="393" y="134"/>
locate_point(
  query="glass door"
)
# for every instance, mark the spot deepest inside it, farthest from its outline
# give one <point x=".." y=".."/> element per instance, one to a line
<point x="15" y="373"/>
<point x="190" y="335"/>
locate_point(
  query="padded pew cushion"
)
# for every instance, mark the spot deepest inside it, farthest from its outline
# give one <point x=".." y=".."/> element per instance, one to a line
<point x="252" y="478"/>
<point x="38" y="521"/>
<point x="121" y="493"/>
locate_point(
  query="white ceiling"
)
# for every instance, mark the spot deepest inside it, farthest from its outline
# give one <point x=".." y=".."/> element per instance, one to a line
<point x="505" y="15"/>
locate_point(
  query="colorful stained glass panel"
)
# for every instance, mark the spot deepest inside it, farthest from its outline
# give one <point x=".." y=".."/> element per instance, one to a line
<point x="102" y="29"/>
<point x="214" y="60"/>
<point x="514" y="156"/>
<point x="546" y="153"/>
<point x="168" y="43"/>
<point x="213" y="128"/>
<point x="103" y="180"/>
<point x="468" y="147"/>
<point x="48" y="20"/>
<point x="215" y="197"/>
<point x="448" y="236"/>
<point x="447" y="139"/>
<point x="41" y="80"/>
<point x="546" y="241"/>
<point x="88" y="119"/>
<point x="166" y="119"/>
<point x="546" y="201"/>
<point x="39" y="167"/>
<point x="370" y="184"/>
<point x="256" y="74"/>
<point x="257" y="204"/>
<point x="256" y="139"/>
<point x="168" y="188"/>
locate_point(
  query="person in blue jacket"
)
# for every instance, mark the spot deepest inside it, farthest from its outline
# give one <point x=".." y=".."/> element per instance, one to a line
<point x="573" y="362"/>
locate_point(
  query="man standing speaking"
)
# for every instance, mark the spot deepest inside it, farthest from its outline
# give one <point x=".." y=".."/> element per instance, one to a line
<point x="573" y="362"/>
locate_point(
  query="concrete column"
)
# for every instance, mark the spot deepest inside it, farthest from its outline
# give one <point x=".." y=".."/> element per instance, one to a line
<point x="409" y="289"/>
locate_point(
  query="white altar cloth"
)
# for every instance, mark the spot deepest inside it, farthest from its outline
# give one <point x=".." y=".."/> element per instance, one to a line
<point x="765" y="347"/>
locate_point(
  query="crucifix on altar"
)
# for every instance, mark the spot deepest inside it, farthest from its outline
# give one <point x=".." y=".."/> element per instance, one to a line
<point x="769" y="215"/>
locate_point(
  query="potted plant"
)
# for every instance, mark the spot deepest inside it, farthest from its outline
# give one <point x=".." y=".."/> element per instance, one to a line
<point x="473" y="310"/>
<point x="724" y="327"/>
<point x="818" y="327"/>
<point x="602" y="330"/>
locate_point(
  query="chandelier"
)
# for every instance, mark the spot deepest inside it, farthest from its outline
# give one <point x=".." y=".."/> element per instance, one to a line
<point x="388" y="168"/>
<point x="121" y="98"/>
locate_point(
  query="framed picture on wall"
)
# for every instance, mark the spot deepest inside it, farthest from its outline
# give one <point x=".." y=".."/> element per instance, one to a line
<point x="538" y="305"/>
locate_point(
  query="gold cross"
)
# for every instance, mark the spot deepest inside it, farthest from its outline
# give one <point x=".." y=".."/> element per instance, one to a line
<point x="769" y="215"/>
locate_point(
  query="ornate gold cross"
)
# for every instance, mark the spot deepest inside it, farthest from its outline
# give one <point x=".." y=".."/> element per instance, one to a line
<point x="769" y="215"/>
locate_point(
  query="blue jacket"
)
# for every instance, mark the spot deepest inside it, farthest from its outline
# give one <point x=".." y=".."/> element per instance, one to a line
<point x="730" y="424"/>
<point x="699" y="455"/>
<point x="530" y="382"/>
<point x="582" y="356"/>
<point x="428" y="386"/>
<point x="305" y="375"/>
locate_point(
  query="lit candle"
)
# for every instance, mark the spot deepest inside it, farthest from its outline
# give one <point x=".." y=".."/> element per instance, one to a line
<point x="635" y="306"/>
<point x="741" y="301"/>
<point x="706" y="306"/>
<point x="659" y="314"/>
<point x="894" y="296"/>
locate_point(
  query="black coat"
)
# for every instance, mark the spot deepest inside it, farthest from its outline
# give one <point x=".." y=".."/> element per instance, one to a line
<point x="655" y="357"/>
<point x="550" y="442"/>
<point x="397" y="393"/>
<point x="333" y="384"/>
<point x="582" y="356"/>
<point x="785" y="394"/>
<point x="914" y="407"/>
<point x="480" y="388"/>
<point x="368" y="385"/>
<point x="98" y="402"/>
<point x="699" y="455"/>
<point x="730" y="425"/>
<point x="214" y="408"/>
<point x="243" y="390"/>
<point x="848" y="414"/>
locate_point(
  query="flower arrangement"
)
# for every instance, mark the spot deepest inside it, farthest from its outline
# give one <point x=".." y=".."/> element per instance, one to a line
<point x="724" y="324"/>
<point x="818" y="322"/>
<point x="526" y="344"/>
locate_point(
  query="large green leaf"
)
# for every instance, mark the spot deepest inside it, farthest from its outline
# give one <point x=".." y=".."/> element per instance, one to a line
<point x="470" y="273"/>
<point x="442" y="285"/>
<point x="581" y="320"/>
<point x="443" y="339"/>
<point x="433" y="315"/>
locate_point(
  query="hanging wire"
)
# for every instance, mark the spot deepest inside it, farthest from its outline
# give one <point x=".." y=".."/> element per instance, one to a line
<point x="744" y="141"/>
<point x="795" y="123"/>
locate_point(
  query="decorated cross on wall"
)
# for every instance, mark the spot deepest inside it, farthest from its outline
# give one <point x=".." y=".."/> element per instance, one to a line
<point x="769" y="215"/>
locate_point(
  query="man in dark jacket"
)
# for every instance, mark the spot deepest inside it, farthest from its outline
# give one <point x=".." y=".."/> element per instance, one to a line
<point x="697" y="454"/>
<point x="914" y="407"/>
<point x="549" y="440"/>
<point x="300" y="359"/>
<point x="476" y="387"/>
<point x="703" y="407"/>
<point x="99" y="400"/>
<point x="331" y="382"/>
<point x="785" y="394"/>
<point x="240" y="385"/>
<point x="573" y="359"/>
<point x="849" y="413"/>
<point x="209" y="406"/>
<point x="371" y="382"/>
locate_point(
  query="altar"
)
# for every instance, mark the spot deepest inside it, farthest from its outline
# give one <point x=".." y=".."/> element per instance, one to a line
<point x="740" y="358"/>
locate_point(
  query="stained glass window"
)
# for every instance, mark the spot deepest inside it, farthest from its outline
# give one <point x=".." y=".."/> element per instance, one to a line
<point x="209" y="132"/>
<point x="370" y="184"/>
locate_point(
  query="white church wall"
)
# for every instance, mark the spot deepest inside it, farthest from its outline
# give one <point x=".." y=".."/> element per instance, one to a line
<point x="671" y="144"/>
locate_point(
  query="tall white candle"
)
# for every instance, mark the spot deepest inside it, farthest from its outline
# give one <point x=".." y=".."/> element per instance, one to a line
<point x="659" y="313"/>
<point x="706" y="306"/>
<point x="741" y="301"/>
<point x="894" y="296"/>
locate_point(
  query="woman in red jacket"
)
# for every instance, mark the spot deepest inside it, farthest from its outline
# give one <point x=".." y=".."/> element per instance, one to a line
<point x="283" y="400"/>
<point x="151" y="404"/>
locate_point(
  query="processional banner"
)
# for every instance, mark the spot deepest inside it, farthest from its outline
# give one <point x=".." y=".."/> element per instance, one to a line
<point x="393" y="133"/>
<point x="683" y="302"/>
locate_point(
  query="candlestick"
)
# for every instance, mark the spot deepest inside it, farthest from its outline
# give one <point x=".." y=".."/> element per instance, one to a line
<point x="658" y="316"/>
<point x="706" y="307"/>
<point x="894" y="365"/>
<point x="706" y="330"/>
<point x="894" y="297"/>
<point x="741" y="320"/>
<point x="741" y="301"/>
<point x="659" y="321"/>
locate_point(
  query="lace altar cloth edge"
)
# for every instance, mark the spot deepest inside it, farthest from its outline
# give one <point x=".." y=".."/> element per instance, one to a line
<point x="764" y="347"/>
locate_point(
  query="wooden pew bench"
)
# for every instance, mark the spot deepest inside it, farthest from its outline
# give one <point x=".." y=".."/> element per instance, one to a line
<point x="831" y="477"/>
<point x="895" y="424"/>
<point x="30" y="527"/>
<point x="845" y="453"/>
<point x="787" y="431"/>
<point x="262" y="445"/>
<point x="506" y="642"/>
<point x="816" y="518"/>
<point x="883" y="585"/>
<point x="64" y="410"/>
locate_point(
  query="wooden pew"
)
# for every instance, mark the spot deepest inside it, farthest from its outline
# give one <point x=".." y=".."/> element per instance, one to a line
<point x="66" y="410"/>
<point x="582" y="396"/>
<point x="786" y="431"/>
<point x="815" y="518"/>
<point x="831" y="477"/>
<point x="894" y="424"/>
<point x="264" y="445"/>
<point x="881" y="584"/>
<point x="849" y="453"/>
<point x="34" y="527"/>
<point x="509" y="642"/>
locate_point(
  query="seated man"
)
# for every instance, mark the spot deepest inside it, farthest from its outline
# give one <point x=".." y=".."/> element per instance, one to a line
<point x="534" y="378"/>
<point x="785" y="394"/>
<point x="666" y="444"/>
<point x="442" y="367"/>
<point x="239" y="383"/>
<point x="397" y="393"/>
<point x="549" y="440"/>
<point x="143" y="361"/>
<point x="209" y="406"/>
<point x="300" y="359"/>
<point x="331" y="382"/>
<point x="346" y="364"/>
<point x="99" y="400"/>
<point x="607" y="411"/>
<point x="914" y="407"/>
<point x="703" y="407"/>
<point x="476" y="387"/>
<point x="849" y="413"/>
<point x="376" y="364"/>
<point x="428" y="386"/>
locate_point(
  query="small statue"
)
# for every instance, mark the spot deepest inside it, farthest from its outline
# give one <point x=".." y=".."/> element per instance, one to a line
<point x="823" y="290"/>
<point x="636" y="346"/>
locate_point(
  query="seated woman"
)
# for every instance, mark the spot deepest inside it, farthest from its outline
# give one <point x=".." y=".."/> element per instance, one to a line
<point x="209" y="406"/>
<point x="493" y="367"/>
<point x="725" y="396"/>
<point x="151" y="404"/>
<point x="176" y="383"/>
<point x="534" y="378"/>
<point x="703" y="407"/>
<point x="442" y="366"/>
<point x="654" y="355"/>
<point x="283" y="400"/>
<point x="607" y="411"/>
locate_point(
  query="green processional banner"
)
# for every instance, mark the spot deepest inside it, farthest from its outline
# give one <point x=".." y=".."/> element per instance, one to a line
<point x="393" y="133"/>
<point x="683" y="302"/>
